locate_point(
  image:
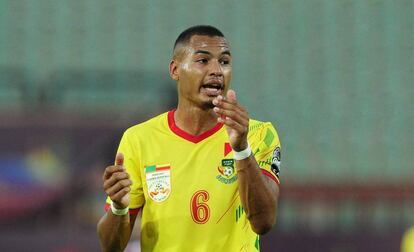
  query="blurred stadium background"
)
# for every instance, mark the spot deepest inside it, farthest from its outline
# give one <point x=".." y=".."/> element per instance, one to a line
<point x="335" y="77"/>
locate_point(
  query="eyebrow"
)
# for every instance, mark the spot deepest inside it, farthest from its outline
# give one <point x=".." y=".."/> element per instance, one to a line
<point x="209" y="53"/>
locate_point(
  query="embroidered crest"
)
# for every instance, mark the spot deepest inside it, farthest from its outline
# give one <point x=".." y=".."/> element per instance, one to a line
<point x="227" y="171"/>
<point x="158" y="179"/>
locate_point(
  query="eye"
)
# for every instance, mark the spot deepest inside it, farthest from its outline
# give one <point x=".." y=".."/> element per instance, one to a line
<point x="225" y="62"/>
<point x="202" y="60"/>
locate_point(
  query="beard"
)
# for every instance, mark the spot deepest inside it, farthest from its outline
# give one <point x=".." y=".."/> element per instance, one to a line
<point x="207" y="105"/>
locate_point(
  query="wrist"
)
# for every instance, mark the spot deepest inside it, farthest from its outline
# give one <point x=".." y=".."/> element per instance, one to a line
<point x="243" y="154"/>
<point x="241" y="146"/>
<point x="119" y="211"/>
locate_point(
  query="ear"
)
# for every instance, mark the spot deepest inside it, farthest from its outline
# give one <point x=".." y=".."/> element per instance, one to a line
<point x="174" y="70"/>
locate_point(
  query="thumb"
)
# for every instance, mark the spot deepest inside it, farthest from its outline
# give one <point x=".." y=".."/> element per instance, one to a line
<point x="119" y="159"/>
<point x="231" y="95"/>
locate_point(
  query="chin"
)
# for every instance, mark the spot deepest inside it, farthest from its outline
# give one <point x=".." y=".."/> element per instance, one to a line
<point x="208" y="105"/>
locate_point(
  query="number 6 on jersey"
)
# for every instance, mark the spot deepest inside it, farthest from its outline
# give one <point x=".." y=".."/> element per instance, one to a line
<point x="200" y="212"/>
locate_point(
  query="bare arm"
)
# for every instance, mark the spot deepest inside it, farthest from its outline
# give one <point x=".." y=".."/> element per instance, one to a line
<point x="258" y="193"/>
<point x="114" y="231"/>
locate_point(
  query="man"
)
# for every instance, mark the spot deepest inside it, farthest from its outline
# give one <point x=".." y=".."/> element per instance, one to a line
<point x="204" y="175"/>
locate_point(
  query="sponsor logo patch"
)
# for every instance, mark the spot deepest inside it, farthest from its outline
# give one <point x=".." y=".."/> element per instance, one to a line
<point x="158" y="179"/>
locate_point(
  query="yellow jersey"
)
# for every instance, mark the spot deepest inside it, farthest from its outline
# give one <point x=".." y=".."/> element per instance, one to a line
<point x="186" y="185"/>
<point x="407" y="244"/>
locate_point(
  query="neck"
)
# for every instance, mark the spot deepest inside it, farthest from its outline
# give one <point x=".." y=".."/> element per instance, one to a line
<point x="194" y="120"/>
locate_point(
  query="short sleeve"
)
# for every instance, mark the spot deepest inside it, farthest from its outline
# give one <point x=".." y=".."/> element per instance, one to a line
<point x="407" y="244"/>
<point x="266" y="147"/>
<point x="128" y="147"/>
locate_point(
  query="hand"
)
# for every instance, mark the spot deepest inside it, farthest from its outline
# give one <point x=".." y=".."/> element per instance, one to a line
<point x="235" y="118"/>
<point x="116" y="183"/>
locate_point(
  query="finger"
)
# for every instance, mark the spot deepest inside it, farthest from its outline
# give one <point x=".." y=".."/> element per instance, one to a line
<point x="120" y="185"/>
<point x="225" y="104"/>
<point x="231" y="95"/>
<point x="231" y="109"/>
<point x="116" y="176"/>
<point x="119" y="159"/>
<point x="219" y="102"/>
<point x="110" y="170"/>
<point x="222" y="99"/>
<point x="240" y="118"/>
<point x="230" y="104"/>
<point x="234" y="125"/>
<point x="119" y="195"/>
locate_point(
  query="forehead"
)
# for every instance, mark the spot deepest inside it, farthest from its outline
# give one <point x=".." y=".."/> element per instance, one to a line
<point x="201" y="42"/>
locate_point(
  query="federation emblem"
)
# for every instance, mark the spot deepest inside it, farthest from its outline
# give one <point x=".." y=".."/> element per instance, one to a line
<point x="158" y="181"/>
<point x="227" y="171"/>
<point x="276" y="161"/>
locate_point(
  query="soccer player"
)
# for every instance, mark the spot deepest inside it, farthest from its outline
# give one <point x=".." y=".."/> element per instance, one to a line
<point x="204" y="175"/>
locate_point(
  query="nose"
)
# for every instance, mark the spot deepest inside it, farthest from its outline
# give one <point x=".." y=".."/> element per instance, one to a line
<point x="215" y="68"/>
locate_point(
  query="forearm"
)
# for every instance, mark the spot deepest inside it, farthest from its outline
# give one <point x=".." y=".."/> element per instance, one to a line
<point x="114" y="231"/>
<point x="258" y="193"/>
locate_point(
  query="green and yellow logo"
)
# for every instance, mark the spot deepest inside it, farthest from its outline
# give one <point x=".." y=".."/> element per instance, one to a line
<point x="227" y="172"/>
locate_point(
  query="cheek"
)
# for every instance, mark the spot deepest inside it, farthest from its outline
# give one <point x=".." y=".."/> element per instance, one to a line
<point x="190" y="78"/>
<point x="185" y="67"/>
<point x="191" y="73"/>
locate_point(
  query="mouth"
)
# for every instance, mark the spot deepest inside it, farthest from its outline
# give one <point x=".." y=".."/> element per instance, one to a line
<point x="212" y="89"/>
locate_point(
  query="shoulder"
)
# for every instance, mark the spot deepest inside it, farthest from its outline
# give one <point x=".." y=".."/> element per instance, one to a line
<point x="144" y="128"/>
<point x="257" y="127"/>
<point x="263" y="133"/>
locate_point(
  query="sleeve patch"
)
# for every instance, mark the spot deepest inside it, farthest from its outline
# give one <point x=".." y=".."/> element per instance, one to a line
<point x="276" y="161"/>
